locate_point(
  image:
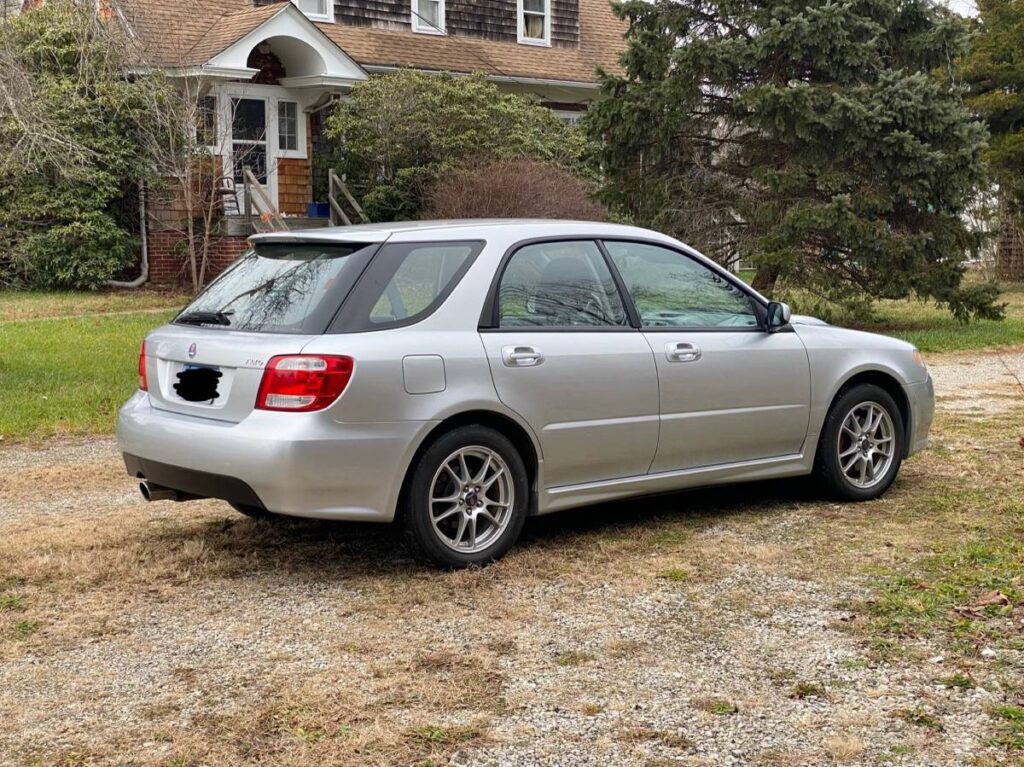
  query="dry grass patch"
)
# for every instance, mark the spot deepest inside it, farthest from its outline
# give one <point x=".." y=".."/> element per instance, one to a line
<point x="844" y="748"/>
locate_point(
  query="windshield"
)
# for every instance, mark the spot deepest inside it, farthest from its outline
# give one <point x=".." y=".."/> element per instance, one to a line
<point x="280" y="288"/>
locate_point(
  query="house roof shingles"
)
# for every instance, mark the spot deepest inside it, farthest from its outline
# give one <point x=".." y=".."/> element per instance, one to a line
<point x="179" y="33"/>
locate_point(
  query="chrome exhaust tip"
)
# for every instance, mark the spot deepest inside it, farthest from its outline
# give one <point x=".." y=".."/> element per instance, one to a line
<point x="153" y="492"/>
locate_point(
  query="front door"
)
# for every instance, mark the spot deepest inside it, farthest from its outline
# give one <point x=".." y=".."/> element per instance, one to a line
<point x="730" y="392"/>
<point x="251" y="149"/>
<point x="564" y="357"/>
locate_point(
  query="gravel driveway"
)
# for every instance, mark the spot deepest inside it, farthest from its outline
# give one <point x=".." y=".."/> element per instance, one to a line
<point x="701" y="629"/>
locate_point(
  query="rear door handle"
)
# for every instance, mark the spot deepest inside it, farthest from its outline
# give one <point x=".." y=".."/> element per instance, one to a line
<point x="521" y="356"/>
<point x="682" y="352"/>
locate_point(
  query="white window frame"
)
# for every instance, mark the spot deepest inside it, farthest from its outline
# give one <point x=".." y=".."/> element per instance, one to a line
<point x="421" y="26"/>
<point x="218" y="133"/>
<point x="300" y="135"/>
<point x="272" y="94"/>
<point x="329" y="16"/>
<point x="521" y="25"/>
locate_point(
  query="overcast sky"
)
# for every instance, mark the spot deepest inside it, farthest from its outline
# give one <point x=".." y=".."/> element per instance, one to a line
<point x="964" y="7"/>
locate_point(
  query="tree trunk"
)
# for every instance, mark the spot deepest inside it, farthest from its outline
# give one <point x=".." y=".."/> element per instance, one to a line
<point x="765" y="279"/>
<point x="1010" y="249"/>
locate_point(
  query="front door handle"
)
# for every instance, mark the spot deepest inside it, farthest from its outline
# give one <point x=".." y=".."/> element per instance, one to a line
<point x="521" y="356"/>
<point x="682" y="352"/>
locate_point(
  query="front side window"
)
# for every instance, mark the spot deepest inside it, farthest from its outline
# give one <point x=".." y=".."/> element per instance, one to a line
<point x="670" y="289"/>
<point x="319" y="10"/>
<point x="288" y="125"/>
<point x="206" y="121"/>
<point x="559" y="285"/>
<point x="535" y="21"/>
<point x="280" y="288"/>
<point x="405" y="283"/>
<point x="428" y="16"/>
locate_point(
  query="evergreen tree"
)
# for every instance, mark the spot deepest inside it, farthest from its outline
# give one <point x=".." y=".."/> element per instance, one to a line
<point x="811" y="138"/>
<point x="994" y="73"/>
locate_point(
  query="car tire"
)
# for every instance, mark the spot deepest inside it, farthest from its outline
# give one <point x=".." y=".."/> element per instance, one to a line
<point x="466" y="499"/>
<point x="861" y="445"/>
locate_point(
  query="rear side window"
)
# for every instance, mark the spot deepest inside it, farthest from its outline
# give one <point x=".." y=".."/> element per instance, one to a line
<point x="405" y="283"/>
<point x="280" y="288"/>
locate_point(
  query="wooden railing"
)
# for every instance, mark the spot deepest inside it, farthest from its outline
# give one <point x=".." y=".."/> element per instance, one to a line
<point x="270" y="219"/>
<point x="339" y="217"/>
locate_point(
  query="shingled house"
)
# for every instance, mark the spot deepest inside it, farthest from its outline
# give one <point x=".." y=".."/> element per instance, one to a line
<point x="269" y="71"/>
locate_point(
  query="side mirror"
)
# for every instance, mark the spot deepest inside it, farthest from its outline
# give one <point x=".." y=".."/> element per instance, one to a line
<point x="779" y="315"/>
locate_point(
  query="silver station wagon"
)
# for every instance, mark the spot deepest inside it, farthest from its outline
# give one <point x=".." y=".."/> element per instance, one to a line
<point x="456" y="377"/>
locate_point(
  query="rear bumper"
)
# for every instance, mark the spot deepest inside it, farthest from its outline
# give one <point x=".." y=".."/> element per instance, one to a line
<point x="921" y="397"/>
<point x="192" y="482"/>
<point x="299" y="464"/>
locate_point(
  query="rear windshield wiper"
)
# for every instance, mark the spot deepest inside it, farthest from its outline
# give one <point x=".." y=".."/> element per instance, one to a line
<point x="204" y="318"/>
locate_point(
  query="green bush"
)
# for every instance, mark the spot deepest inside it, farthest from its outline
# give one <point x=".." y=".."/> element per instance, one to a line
<point x="401" y="132"/>
<point x="70" y="121"/>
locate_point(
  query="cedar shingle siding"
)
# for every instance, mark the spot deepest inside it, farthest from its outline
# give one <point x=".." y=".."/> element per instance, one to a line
<point x="370" y="13"/>
<point x="489" y="19"/>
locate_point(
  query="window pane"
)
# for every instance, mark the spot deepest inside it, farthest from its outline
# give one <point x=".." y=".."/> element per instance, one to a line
<point x="288" y="124"/>
<point x="249" y="122"/>
<point x="672" y="290"/>
<point x="430" y="14"/>
<point x="282" y="288"/>
<point x="313" y="7"/>
<point x="559" y="284"/>
<point x="534" y="5"/>
<point x="406" y="282"/>
<point x="253" y="156"/>
<point x="206" y="121"/>
<point x="533" y="26"/>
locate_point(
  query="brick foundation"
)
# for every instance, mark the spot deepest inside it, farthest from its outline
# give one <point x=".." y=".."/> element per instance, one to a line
<point x="168" y="256"/>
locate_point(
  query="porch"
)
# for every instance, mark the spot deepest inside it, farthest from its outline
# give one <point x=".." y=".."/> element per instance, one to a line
<point x="263" y="83"/>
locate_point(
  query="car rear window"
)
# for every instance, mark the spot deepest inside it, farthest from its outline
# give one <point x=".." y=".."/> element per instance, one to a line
<point x="281" y="288"/>
<point x="405" y="283"/>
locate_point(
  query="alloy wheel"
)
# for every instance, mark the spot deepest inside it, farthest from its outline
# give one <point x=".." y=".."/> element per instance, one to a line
<point x="866" y="444"/>
<point x="471" y="499"/>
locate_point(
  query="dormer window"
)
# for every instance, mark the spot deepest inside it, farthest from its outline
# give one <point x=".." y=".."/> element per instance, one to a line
<point x="428" y="16"/>
<point x="534" y="22"/>
<point x="316" y="10"/>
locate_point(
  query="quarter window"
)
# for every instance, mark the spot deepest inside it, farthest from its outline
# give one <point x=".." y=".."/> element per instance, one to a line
<point x="405" y="283"/>
<point x="428" y="16"/>
<point x="670" y="289"/>
<point x="535" y="21"/>
<point x="561" y="285"/>
<point x="288" y="125"/>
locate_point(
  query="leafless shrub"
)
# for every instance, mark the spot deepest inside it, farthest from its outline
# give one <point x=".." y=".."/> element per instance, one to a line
<point x="512" y="188"/>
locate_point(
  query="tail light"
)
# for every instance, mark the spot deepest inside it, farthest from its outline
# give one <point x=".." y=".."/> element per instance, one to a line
<point x="143" y="384"/>
<point x="302" y="383"/>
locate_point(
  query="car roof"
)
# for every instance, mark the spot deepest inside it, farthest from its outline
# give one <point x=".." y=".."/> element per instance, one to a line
<point x="515" y="228"/>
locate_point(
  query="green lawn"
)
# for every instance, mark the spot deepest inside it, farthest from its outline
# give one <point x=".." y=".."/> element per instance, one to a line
<point x="935" y="330"/>
<point x="15" y="305"/>
<point x="70" y="375"/>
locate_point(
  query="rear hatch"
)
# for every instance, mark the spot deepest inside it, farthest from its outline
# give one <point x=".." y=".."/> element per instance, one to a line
<point x="210" y="360"/>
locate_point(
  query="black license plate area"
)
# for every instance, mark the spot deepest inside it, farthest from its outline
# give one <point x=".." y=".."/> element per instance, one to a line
<point x="198" y="383"/>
